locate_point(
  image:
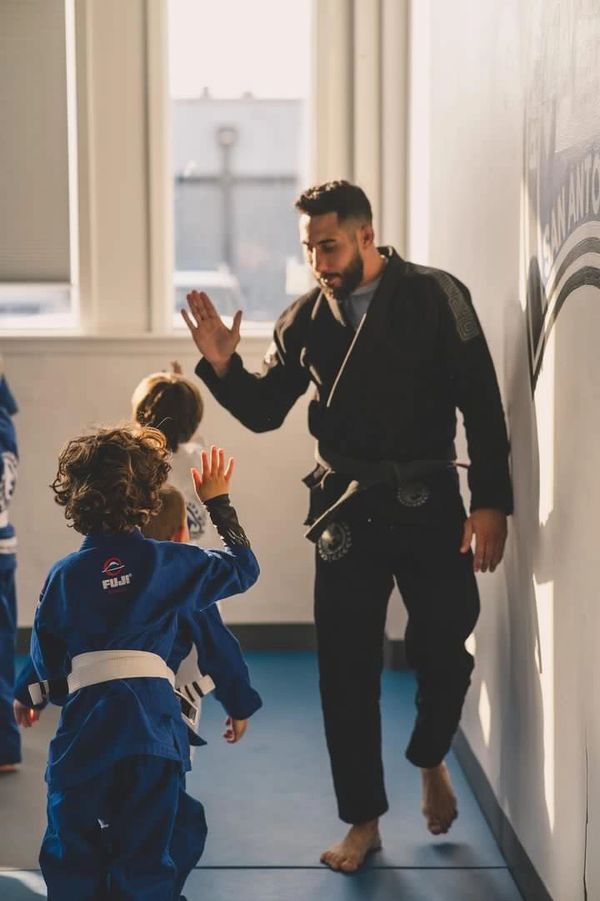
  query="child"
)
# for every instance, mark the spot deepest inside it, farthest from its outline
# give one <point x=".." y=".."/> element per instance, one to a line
<point x="205" y="651"/>
<point x="171" y="403"/>
<point x="10" y="741"/>
<point x="215" y="656"/>
<point x="108" y="617"/>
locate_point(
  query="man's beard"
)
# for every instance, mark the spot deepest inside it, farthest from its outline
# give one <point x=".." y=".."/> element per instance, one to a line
<point x="350" y="279"/>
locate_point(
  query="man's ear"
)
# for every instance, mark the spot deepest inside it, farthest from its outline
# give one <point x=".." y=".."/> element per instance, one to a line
<point x="367" y="235"/>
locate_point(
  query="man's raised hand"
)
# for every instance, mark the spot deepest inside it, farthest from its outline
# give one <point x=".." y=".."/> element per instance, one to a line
<point x="211" y="336"/>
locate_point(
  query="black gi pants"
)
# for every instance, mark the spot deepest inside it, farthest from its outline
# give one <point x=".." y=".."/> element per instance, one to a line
<point x="357" y="562"/>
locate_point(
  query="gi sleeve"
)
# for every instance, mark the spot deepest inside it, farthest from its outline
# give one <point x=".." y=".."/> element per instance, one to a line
<point x="27" y="676"/>
<point x="220" y="656"/>
<point x="261" y="401"/>
<point x="478" y="398"/>
<point x="8" y="446"/>
<point x="232" y="570"/>
<point x="48" y="650"/>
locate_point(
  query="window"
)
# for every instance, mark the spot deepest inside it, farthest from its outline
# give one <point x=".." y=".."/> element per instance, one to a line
<point x="36" y="269"/>
<point x="239" y="96"/>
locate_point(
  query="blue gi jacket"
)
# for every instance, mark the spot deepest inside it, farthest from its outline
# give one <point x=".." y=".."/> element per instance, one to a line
<point x="8" y="473"/>
<point x="124" y="591"/>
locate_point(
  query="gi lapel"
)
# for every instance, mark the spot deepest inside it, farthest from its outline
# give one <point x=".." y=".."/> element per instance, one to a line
<point x="374" y="324"/>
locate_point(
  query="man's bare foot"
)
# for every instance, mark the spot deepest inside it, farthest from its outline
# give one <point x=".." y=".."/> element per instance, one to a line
<point x="350" y="854"/>
<point x="439" y="801"/>
<point x="8" y="767"/>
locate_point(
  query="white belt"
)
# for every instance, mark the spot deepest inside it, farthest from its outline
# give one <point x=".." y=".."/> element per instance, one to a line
<point x="104" y="666"/>
<point x="8" y="545"/>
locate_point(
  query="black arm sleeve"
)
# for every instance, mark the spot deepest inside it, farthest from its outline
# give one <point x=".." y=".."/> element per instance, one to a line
<point x="224" y="518"/>
<point x="261" y="401"/>
<point x="477" y="395"/>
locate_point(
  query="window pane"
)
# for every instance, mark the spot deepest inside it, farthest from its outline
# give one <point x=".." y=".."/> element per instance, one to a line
<point x="239" y="150"/>
<point x="34" y="165"/>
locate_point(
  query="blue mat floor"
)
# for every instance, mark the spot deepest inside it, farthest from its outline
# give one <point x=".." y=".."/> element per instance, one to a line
<point x="271" y="810"/>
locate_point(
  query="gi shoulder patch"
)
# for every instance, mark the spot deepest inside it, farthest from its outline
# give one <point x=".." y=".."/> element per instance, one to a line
<point x="462" y="311"/>
<point x="466" y="323"/>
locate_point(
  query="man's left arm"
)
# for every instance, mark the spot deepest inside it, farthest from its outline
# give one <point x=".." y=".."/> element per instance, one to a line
<point x="477" y="395"/>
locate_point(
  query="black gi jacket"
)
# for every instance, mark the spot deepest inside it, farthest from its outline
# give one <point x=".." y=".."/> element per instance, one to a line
<point x="388" y="391"/>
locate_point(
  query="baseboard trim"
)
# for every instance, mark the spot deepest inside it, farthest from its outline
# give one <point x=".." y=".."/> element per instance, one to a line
<point x="523" y="871"/>
<point x="272" y="637"/>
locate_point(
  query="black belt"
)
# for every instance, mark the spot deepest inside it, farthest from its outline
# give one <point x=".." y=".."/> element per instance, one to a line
<point x="389" y="472"/>
<point x="365" y="474"/>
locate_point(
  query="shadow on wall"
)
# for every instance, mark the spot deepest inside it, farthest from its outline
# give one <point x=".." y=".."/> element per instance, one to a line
<point x="516" y="728"/>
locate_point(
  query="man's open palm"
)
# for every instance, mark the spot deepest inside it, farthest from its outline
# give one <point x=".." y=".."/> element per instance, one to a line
<point x="213" y="339"/>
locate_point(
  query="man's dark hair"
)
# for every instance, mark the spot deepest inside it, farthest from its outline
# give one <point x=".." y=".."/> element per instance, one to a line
<point x="348" y="201"/>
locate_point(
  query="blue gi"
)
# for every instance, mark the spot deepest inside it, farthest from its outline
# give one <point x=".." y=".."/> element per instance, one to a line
<point x="219" y="656"/>
<point x="10" y="742"/>
<point x="116" y="763"/>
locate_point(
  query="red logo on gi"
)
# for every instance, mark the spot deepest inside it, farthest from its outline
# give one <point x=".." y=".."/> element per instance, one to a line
<point x="115" y="577"/>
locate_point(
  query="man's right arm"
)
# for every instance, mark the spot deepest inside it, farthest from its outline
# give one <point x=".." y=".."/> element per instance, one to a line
<point x="260" y="401"/>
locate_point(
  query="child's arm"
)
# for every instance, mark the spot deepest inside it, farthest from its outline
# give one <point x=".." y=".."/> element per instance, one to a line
<point x="26" y="714"/>
<point x="220" y="656"/>
<point x="48" y="650"/>
<point x="234" y="569"/>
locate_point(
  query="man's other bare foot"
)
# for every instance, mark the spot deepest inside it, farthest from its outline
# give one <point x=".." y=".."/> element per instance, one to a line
<point x="439" y="801"/>
<point x="350" y="854"/>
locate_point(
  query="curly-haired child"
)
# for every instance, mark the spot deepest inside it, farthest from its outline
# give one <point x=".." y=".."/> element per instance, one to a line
<point x="104" y="628"/>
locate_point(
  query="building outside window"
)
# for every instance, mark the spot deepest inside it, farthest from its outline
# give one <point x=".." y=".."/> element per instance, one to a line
<point x="239" y="151"/>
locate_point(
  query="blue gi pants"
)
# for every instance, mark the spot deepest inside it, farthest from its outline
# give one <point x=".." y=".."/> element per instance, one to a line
<point x="10" y="740"/>
<point x="111" y="837"/>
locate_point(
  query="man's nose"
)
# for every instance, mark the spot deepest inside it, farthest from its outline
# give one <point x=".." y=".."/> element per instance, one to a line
<point x="316" y="261"/>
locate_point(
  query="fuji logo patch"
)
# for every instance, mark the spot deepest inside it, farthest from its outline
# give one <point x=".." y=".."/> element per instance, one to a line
<point x="115" y="579"/>
<point x="113" y="566"/>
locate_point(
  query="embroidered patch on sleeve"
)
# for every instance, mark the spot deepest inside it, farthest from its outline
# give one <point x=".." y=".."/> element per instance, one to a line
<point x="464" y="317"/>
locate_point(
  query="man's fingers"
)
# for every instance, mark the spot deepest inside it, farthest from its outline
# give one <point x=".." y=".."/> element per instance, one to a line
<point x="229" y="471"/>
<point x="480" y="561"/>
<point x="214" y="460"/>
<point x="220" y="461"/>
<point x="467" y="536"/>
<point x="208" y="308"/>
<point x="188" y="321"/>
<point x="237" y="322"/>
<point x="196" y="478"/>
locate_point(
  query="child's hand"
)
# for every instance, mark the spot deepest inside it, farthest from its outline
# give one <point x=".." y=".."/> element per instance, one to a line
<point x="214" y="478"/>
<point x="234" y="730"/>
<point x="25" y="716"/>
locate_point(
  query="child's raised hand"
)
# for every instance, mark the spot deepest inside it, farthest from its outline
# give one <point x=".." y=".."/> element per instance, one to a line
<point x="213" y="478"/>
<point x="25" y="716"/>
<point x="234" y="730"/>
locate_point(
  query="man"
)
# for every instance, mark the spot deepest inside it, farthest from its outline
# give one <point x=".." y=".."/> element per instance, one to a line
<point x="392" y="350"/>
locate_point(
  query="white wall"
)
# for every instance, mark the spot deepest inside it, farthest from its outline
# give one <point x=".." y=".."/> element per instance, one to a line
<point x="529" y="717"/>
<point x="65" y="386"/>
